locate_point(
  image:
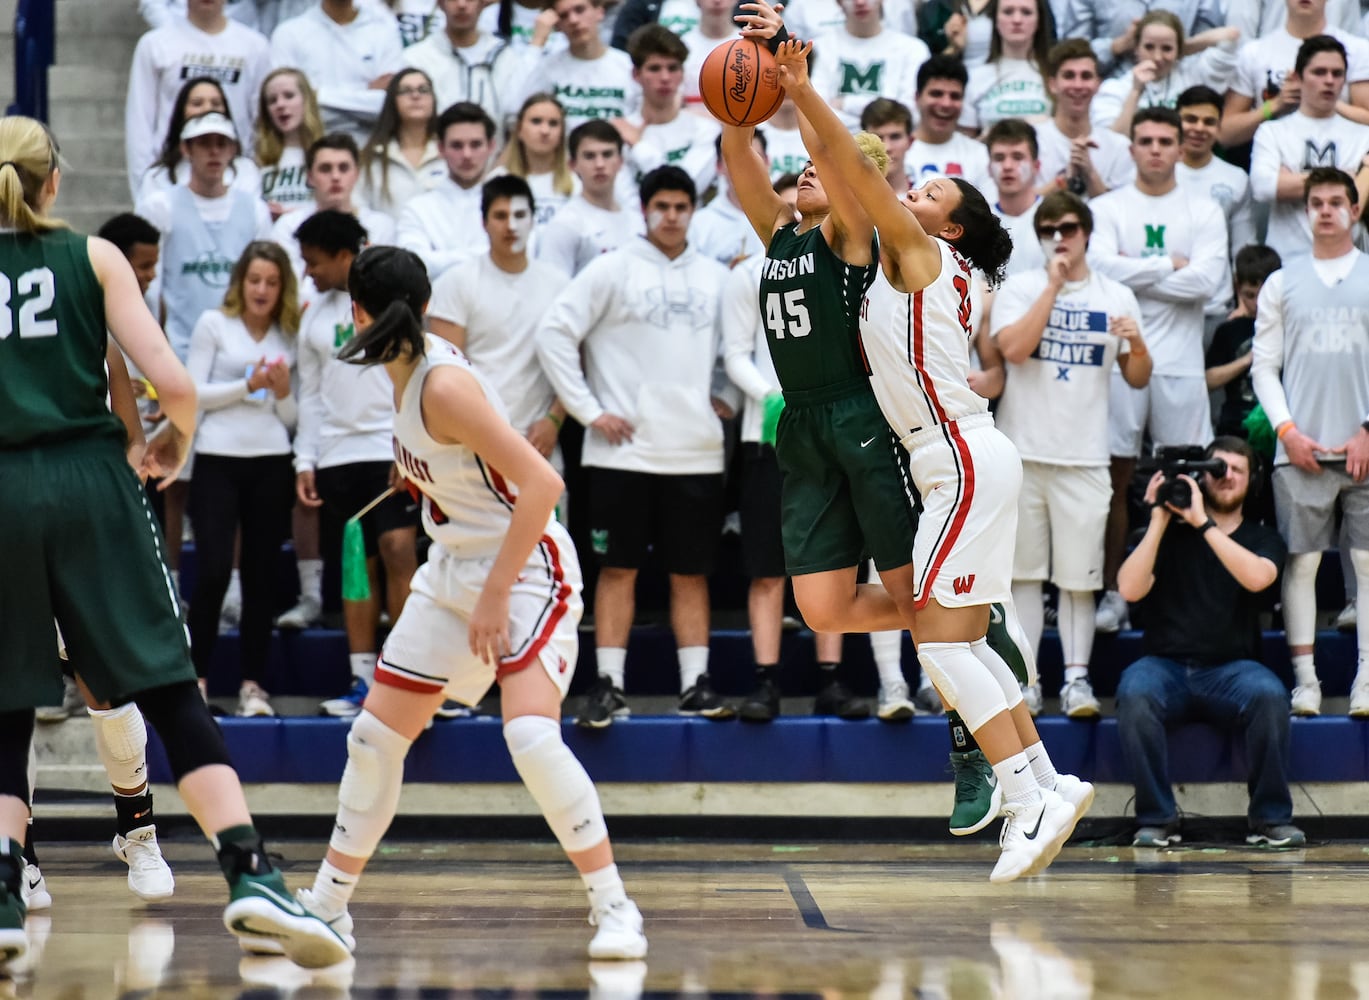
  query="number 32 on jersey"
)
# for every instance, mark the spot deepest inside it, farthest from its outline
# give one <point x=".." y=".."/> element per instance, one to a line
<point x="786" y="315"/>
<point x="38" y="289"/>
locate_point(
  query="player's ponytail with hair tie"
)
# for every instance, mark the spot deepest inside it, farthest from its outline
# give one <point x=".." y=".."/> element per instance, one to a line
<point x="392" y="285"/>
<point x="27" y="147"/>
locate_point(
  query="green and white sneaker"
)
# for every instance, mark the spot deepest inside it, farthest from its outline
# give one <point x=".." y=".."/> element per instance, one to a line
<point x="978" y="796"/>
<point x="262" y="907"/>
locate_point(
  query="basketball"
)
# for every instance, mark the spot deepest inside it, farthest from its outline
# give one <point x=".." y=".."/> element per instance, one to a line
<point x="740" y="83"/>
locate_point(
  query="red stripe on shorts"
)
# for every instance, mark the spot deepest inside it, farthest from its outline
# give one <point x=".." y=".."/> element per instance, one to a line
<point x="962" y="511"/>
<point x="558" y="612"/>
<point x="388" y="677"/>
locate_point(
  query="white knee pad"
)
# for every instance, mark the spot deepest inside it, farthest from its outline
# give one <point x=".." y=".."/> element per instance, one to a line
<point x="1300" y="598"/>
<point x="963" y="681"/>
<point x="1001" y="672"/>
<point x="369" y="793"/>
<point x="557" y="780"/>
<point x="121" y="740"/>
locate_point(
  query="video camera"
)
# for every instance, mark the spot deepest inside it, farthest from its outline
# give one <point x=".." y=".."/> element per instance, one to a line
<point x="1183" y="460"/>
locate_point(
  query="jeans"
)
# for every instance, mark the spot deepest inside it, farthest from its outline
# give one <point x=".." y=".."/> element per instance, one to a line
<point x="1157" y="693"/>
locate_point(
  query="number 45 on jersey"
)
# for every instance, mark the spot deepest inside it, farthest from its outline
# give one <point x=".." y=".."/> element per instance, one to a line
<point x="786" y="315"/>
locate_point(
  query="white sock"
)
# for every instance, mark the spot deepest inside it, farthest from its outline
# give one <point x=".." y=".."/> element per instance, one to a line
<point x="311" y="579"/>
<point x="363" y="666"/>
<point x="887" y="649"/>
<point x="612" y="660"/>
<point x="1304" y="670"/>
<point x="1042" y="769"/>
<point x="1076" y="674"/>
<point x="1018" y="781"/>
<point x="333" y="890"/>
<point x="693" y="665"/>
<point x="603" y="883"/>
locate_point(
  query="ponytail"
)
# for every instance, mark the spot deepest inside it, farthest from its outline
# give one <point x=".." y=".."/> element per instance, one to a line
<point x="396" y="333"/>
<point x="392" y="285"/>
<point x="28" y="156"/>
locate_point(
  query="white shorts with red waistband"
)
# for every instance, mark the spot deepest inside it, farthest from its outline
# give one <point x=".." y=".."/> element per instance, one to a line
<point x="969" y="476"/>
<point x="429" y="649"/>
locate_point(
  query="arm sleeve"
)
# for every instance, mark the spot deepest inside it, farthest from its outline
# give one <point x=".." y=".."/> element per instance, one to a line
<point x="564" y="328"/>
<point x="310" y="419"/>
<point x="1266" y="361"/>
<point x="199" y="362"/>
<point x="140" y="114"/>
<point x="1264" y="165"/>
<point x="740" y="317"/>
<point x="287" y="409"/>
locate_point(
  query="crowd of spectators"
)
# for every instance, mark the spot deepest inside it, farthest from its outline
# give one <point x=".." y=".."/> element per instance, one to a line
<point x="1150" y="159"/>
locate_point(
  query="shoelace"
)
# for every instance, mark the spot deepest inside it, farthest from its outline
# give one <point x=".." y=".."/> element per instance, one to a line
<point x="143" y="855"/>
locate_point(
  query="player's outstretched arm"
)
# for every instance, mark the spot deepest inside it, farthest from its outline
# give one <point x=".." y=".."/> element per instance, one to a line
<point x="917" y="255"/>
<point x="749" y="176"/>
<point x="850" y="232"/>
<point x="455" y="410"/>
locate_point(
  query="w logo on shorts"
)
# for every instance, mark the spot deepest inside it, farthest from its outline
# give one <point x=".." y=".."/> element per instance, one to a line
<point x="963" y="584"/>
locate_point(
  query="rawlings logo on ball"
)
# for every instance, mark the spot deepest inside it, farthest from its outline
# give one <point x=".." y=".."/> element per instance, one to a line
<point x="741" y="81"/>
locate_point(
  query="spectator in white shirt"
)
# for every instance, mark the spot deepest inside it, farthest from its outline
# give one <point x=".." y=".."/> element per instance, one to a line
<point x="1167" y="64"/>
<point x="864" y="59"/>
<point x="592" y="222"/>
<point x="1013" y="165"/>
<point x="465" y="63"/>
<point x="893" y="123"/>
<point x="348" y="51"/>
<point x="401" y="159"/>
<point x="661" y="132"/>
<point x="721" y="229"/>
<point x="443" y="225"/>
<point x="536" y="152"/>
<point x="1315" y="135"/>
<point x="204" y="43"/>
<point x="160" y="12"/>
<point x="199" y="96"/>
<point x="288" y="122"/>
<point x="1074" y="155"/>
<point x="590" y="79"/>
<point x="522" y="22"/>
<point x="938" y="148"/>
<point x="1110" y="25"/>
<point x="714" y="26"/>
<point x="417" y="19"/>
<point x="1010" y="84"/>
<point x="784" y="142"/>
<point x="1257" y="18"/>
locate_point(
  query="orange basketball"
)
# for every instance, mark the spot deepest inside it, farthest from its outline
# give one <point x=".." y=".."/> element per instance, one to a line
<point x="740" y="83"/>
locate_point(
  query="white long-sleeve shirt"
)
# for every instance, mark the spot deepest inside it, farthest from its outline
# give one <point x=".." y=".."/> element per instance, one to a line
<point x="340" y="61"/>
<point x="746" y="353"/>
<point x="1300" y="143"/>
<point x="444" y="226"/>
<point x="647" y="328"/>
<point x="400" y="181"/>
<point x="1213" y="67"/>
<point x="346" y="411"/>
<point x="1229" y="187"/>
<point x="165" y="58"/>
<point x="1134" y="236"/>
<point x="689" y="142"/>
<point x="580" y="232"/>
<point x="858" y="70"/>
<point x="234" y="421"/>
<point x="488" y="72"/>
<point x="722" y="231"/>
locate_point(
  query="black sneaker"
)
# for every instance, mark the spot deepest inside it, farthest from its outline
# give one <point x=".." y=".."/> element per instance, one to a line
<point x="762" y="704"/>
<point x="701" y="699"/>
<point x="603" y="702"/>
<point x="836" y="700"/>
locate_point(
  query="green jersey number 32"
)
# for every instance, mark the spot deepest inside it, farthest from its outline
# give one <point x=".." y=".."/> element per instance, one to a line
<point x="38" y="289"/>
<point x="786" y="314"/>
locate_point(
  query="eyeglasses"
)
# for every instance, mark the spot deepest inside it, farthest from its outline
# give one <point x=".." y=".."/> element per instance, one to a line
<point x="420" y="91"/>
<point x="1064" y="231"/>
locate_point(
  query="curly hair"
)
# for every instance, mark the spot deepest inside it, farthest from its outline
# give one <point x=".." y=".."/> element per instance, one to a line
<point x="984" y="242"/>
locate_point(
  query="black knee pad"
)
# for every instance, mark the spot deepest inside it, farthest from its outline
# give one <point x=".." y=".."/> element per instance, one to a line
<point x="16" y="733"/>
<point x="189" y="733"/>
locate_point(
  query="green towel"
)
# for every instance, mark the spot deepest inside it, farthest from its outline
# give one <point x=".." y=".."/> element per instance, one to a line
<point x="1259" y="433"/>
<point x="770" y="416"/>
<point x="356" y="582"/>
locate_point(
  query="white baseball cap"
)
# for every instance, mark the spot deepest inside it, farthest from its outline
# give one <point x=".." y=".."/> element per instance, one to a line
<point x="209" y="123"/>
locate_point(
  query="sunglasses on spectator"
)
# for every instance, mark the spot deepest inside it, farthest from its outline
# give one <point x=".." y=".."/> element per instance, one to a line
<point x="1064" y="230"/>
<point x="419" y="91"/>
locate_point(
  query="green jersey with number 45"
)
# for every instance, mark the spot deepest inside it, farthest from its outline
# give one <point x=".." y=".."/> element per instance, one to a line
<point x="53" y="384"/>
<point x="810" y="304"/>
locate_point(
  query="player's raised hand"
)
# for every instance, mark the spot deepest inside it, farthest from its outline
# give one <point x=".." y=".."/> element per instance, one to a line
<point x="792" y="60"/>
<point x="760" y="20"/>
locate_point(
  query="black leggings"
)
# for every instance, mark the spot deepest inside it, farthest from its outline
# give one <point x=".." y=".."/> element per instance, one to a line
<point x="225" y="493"/>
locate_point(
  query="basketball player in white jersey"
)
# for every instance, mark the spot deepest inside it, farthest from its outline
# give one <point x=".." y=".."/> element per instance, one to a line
<point x="916" y="326"/>
<point x="497" y="600"/>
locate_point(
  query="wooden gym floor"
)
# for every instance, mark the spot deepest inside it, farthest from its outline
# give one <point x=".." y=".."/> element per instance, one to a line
<point x="831" y="920"/>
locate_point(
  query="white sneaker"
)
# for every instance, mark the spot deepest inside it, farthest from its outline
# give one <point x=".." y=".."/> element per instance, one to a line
<point x="35" y="889"/>
<point x="1306" y="699"/>
<point x="1112" y="614"/>
<point x="1348" y="619"/>
<point x="1031" y="694"/>
<point x="1359" y="699"/>
<point x="304" y="614"/>
<point x="620" y="930"/>
<point x="230" y="612"/>
<point x="1077" y="700"/>
<point x="149" y="876"/>
<point x="72" y="704"/>
<point x="1078" y="793"/>
<point x="252" y="700"/>
<point x="1032" y="835"/>
<point x="894" y="703"/>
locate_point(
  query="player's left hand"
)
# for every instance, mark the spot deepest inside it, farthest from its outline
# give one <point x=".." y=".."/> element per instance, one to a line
<point x="1357" y="456"/>
<point x="792" y="59"/>
<point x="489" y="626"/>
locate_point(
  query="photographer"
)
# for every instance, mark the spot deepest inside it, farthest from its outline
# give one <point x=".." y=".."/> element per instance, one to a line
<point x="1205" y="575"/>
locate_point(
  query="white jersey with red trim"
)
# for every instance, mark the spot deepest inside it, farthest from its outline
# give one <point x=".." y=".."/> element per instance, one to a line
<point x="467" y="504"/>
<point x="918" y="345"/>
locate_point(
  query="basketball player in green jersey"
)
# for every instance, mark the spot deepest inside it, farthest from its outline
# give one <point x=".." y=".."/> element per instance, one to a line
<point x="846" y="488"/>
<point x="74" y="515"/>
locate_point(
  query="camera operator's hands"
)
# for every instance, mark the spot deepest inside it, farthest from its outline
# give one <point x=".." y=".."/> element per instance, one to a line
<point x="1195" y="514"/>
<point x="1302" y="450"/>
<point x="1158" y="511"/>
